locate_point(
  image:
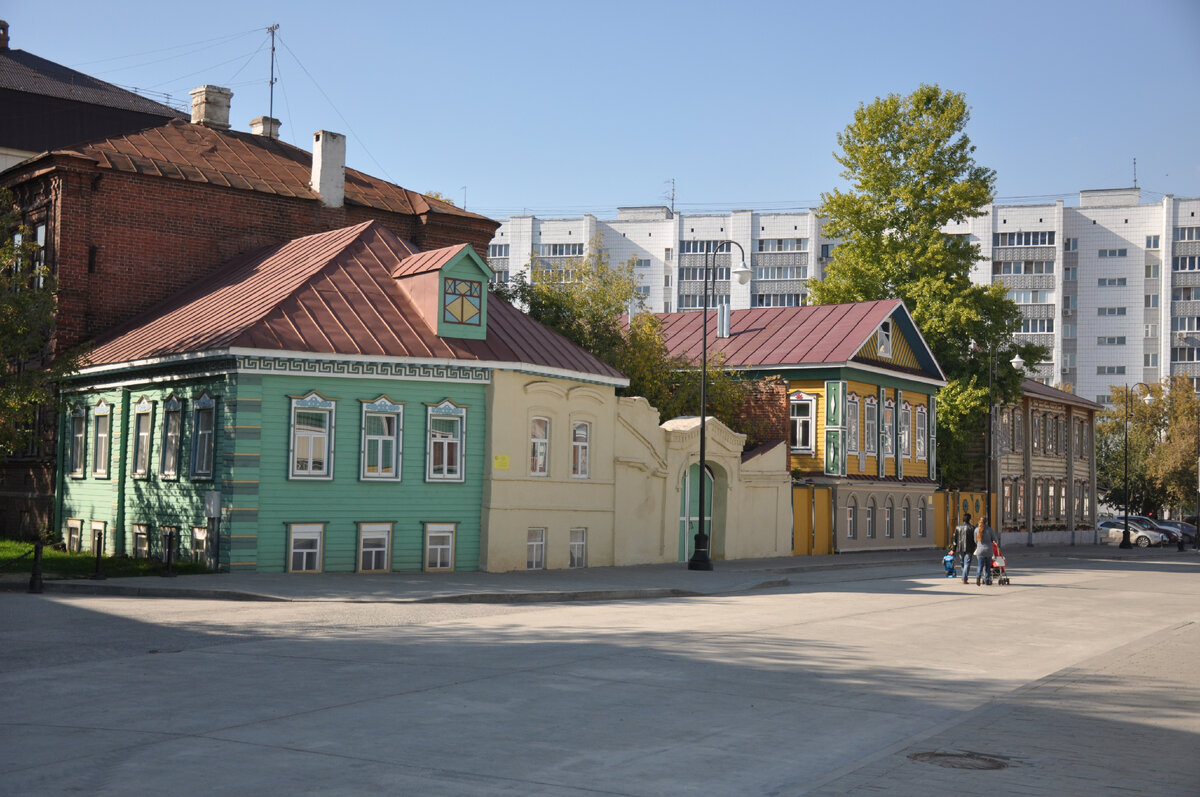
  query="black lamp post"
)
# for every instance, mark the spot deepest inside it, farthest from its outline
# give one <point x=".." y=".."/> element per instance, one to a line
<point x="1125" y="543"/>
<point x="700" y="557"/>
<point x="992" y="465"/>
<point x="1018" y="362"/>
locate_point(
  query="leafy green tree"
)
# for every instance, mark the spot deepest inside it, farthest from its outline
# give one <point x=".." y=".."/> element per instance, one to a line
<point x="28" y="374"/>
<point x="1162" y="447"/>
<point x="912" y="172"/>
<point x="589" y="301"/>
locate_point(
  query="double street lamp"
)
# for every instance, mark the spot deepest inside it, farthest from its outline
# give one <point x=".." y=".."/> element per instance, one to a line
<point x="700" y="557"/>
<point x="1125" y="543"/>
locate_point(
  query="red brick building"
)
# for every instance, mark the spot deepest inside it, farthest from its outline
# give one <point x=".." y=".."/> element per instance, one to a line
<point x="131" y="219"/>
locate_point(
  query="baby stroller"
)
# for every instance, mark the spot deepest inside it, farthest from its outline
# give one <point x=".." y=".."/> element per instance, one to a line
<point x="999" y="566"/>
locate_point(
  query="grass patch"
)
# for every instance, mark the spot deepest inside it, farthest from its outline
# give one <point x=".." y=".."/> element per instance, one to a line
<point x="82" y="565"/>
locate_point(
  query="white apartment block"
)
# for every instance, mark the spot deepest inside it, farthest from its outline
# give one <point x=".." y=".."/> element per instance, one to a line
<point x="1111" y="287"/>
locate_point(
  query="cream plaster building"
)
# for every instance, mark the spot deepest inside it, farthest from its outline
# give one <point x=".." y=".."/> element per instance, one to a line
<point x="577" y="477"/>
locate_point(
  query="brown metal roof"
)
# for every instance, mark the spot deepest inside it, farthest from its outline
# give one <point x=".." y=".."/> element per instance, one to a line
<point x="1035" y="388"/>
<point x="780" y="336"/>
<point x="330" y="293"/>
<point x="179" y="150"/>
<point x="423" y="262"/>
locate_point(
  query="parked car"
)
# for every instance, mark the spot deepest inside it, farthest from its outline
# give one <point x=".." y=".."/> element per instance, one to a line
<point x="1181" y="527"/>
<point x="1164" y="526"/>
<point x="1114" y="531"/>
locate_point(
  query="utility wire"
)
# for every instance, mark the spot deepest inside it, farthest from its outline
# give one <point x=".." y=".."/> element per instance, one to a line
<point x="199" y="71"/>
<point x="247" y="63"/>
<point x="173" y="48"/>
<point x="341" y="116"/>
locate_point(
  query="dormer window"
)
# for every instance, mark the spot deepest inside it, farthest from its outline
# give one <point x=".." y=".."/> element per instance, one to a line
<point x="462" y="302"/>
<point x="884" y="338"/>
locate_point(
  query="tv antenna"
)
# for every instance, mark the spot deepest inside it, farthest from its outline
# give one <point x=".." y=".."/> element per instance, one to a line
<point x="271" y="104"/>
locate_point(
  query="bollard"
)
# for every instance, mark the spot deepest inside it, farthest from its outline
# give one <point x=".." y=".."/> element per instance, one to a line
<point x="35" y="576"/>
<point x="98" y="545"/>
<point x="169" y="537"/>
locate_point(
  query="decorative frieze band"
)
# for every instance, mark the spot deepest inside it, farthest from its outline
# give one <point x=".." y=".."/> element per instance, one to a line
<point x="365" y="369"/>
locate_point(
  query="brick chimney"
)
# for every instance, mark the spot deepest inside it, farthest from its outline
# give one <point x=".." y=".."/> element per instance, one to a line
<point x="3" y="35"/>
<point x="265" y="126"/>
<point x="210" y="106"/>
<point x="329" y="168"/>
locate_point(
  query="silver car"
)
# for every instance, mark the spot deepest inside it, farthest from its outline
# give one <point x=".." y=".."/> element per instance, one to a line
<point x="1114" y="531"/>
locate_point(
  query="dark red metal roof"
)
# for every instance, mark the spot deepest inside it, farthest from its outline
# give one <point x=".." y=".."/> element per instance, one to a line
<point x="180" y="150"/>
<point x="423" y="262"/>
<point x="331" y="293"/>
<point x="1035" y="388"/>
<point x="780" y="336"/>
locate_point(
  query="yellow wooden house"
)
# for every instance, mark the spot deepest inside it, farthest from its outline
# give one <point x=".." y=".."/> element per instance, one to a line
<point x="861" y="393"/>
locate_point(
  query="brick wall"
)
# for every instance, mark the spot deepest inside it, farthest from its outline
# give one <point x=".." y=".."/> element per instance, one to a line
<point x="147" y="238"/>
<point x="765" y="417"/>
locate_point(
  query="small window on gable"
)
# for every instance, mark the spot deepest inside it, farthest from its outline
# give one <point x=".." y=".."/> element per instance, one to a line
<point x="884" y="338"/>
<point x="462" y="301"/>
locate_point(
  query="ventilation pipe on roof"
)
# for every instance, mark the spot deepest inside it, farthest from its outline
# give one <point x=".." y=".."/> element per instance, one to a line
<point x="329" y="168"/>
<point x="3" y="35"/>
<point x="210" y="106"/>
<point x="265" y="126"/>
<point x="722" y="320"/>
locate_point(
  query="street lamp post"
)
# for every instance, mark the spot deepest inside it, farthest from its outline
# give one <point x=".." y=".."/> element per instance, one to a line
<point x="1018" y="362"/>
<point x="1125" y="543"/>
<point x="700" y="557"/>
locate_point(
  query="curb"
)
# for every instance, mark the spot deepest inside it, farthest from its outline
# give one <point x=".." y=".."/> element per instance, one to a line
<point x="79" y="587"/>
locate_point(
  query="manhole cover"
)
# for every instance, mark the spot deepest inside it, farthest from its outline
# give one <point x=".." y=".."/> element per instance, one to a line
<point x="967" y="760"/>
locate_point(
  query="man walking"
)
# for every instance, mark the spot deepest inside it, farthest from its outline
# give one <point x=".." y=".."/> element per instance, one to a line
<point x="964" y="543"/>
<point x="985" y="535"/>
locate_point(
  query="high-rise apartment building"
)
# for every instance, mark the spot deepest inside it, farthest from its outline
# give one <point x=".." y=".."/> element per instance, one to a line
<point x="1110" y="287"/>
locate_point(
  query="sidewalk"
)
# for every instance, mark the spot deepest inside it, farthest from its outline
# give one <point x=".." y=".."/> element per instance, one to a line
<point x="600" y="583"/>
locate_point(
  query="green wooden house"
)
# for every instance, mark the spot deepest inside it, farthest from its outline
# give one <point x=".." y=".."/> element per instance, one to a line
<point x="319" y="406"/>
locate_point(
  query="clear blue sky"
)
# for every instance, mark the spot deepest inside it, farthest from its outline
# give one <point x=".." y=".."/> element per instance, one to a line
<point x="561" y="108"/>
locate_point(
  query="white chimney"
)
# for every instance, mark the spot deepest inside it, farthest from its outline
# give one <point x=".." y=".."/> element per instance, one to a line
<point x="329" y="167"/>
<point x="210" y="106"/>
<point x="265" y="126"/>
<point x="722" y="320"/>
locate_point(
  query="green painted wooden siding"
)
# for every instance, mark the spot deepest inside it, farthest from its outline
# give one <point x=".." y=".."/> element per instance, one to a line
<point x="152" y="501"/>
<point x="346" y="501"/>
<point x="252" y="429"/>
